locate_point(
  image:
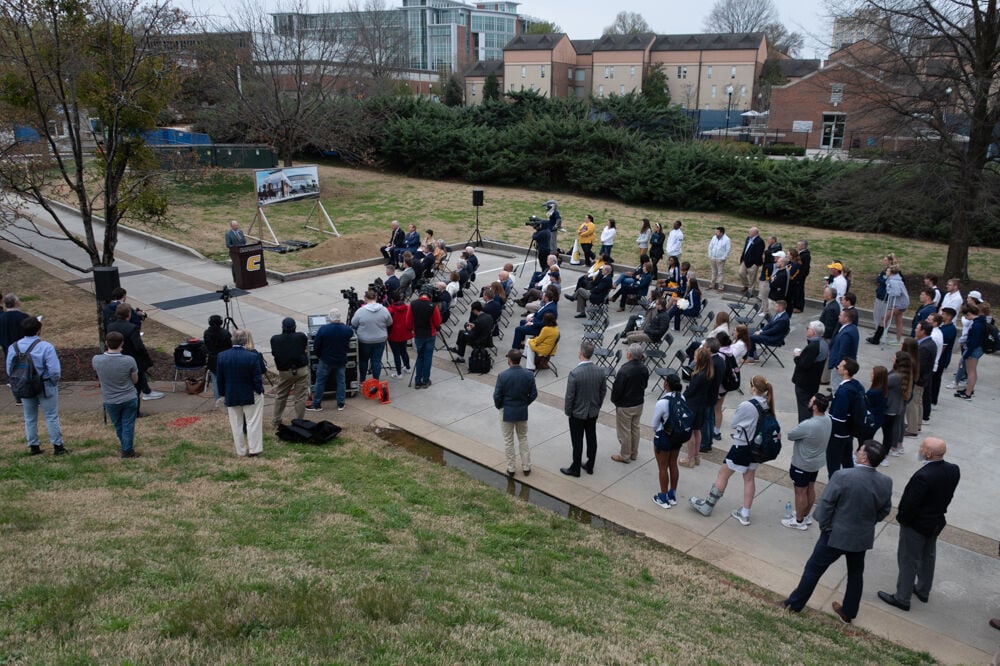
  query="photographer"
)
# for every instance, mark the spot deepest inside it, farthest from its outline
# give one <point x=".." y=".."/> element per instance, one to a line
<point x="543" y="240"/>
<point x="477" y="333"/>
<point x="217" y="340"/>
<point x="118" y="297"/>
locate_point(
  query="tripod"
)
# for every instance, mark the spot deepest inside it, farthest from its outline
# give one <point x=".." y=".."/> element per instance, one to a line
<point x="475" y="233"/>
<point x="229" y="317"/>
<point x="526" y="255"/>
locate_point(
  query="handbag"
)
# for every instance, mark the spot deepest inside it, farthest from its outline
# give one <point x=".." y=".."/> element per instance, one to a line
<point x="194" y="385"/>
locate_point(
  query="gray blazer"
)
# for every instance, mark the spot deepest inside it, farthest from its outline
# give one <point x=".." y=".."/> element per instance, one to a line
<point x="854" y="500"/>
<point x="514" y="391"/>
<point x="585" y="391"/>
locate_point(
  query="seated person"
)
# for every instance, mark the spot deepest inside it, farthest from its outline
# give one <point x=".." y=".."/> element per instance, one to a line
<point x="671" y="278"/>
<point x="721" y="325"/>
<point x="499" y="292"/>
<point x="444" y="298"/>
<point x="656" y="325"/>
<point x="552" y="265"/>
<point x="596" y="295"/>
<point x="628" y="277"/>
<point x="774" y="332"/>
<point x="507" y="281"/>
<point x="472" y="260"/>
<point x="464" y="275"/>
<point x="493" y="307"/>
<point x="535" y="303"/>
<point x="426" y="268"/>
<point x="412" y="240"/>
<point x="391" y="281"/>
<point x="531" y="324"/>
<point x="638" y="285"/>
<point x="693" y="297"/>
<point x="454" y="284"/>
<point x="478" y="332"/>
<point x="440" y="254"/>
<point x="543" y="344"/>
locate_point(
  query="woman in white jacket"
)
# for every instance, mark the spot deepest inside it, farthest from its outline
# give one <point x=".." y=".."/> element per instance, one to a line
<point x="608" y="237"/>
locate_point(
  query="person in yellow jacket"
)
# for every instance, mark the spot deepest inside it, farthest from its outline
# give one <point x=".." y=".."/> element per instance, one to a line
<point x="543" y="344"/>
<point x="585" y="234"/>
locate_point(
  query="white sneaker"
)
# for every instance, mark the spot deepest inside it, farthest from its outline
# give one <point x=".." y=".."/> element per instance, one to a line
<point x="152" y="395"/>
<point x="884" y="463"/>
<point x="791" y="523"/>
<point x="743" y="520"/>
<point x="951" y="385"/>
<point x="896" y="452"/>
<point x="395" y="375"/>
<point x="808" y="520"/>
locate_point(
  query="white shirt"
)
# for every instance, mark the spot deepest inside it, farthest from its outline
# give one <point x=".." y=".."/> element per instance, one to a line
<point x="738" y="349"/>
<point x="953" y="300"/>
<point x="938" y="337"/>
<point x="674" y="240"/>
<point x="839" y="285"/>
<point x="719" y="248"/>
<point x="608" y="236"/>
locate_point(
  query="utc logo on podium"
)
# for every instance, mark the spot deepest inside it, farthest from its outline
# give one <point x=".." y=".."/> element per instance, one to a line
<point x="253" y="262"/>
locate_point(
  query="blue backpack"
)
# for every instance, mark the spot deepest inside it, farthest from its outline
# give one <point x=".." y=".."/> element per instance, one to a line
<point x="765" y="444"/>
<point x="677" y="426"/>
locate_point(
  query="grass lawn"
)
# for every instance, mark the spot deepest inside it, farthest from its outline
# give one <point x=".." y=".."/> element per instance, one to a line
<point x="354" y="552"/>
<point x="361" y="203"/>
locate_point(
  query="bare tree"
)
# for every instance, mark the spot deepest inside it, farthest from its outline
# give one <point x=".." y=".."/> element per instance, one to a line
<point x="781" y="40"/>
<point x="740" y="16"/>
<point x="282" y="98"/>
<point x="86" y="79"/>
<point x="628" y="23"/>
<point x="379" y="40"/>
<point x="942" y="59"/>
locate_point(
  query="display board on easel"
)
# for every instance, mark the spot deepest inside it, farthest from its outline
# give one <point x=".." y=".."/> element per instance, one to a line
<point x="275" y="186"/>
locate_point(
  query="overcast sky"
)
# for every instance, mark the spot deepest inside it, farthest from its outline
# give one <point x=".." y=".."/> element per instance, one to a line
<point x="582" y="20"/>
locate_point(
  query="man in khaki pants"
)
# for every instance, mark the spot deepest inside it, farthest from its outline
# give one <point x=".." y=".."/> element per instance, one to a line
<point x="627" y="395"/>
<point x="514" y="391"/>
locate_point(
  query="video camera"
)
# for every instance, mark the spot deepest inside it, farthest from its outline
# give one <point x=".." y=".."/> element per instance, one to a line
<point x="224" y="295"/>
<point x="535" y="221"/>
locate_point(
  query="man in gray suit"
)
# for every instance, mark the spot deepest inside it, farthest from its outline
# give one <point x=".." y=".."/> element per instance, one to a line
<point x="515" y="390"/>
<point x="235" y="237"/>
<point x="855" y="499"/>
<point x="584" y="397"/>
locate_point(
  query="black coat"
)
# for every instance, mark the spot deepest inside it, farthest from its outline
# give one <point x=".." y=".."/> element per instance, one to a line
<point x="754" y="254"/>
<point x="927" y="496"/>
<point x="809" y="365"/>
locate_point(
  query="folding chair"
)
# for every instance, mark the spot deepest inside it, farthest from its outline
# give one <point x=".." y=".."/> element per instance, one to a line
<point x="546" y="362"/>
<point x="746" y="318"/>
<point x="654" y="356"/>
<point x="768" y="352"/>
<point x="606" y="358"/>
<point x="700" y="329"/>
<point x="744" y="303"/>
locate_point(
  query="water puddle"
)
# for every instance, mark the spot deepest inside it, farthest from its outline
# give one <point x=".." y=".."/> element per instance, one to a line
<point x="428" y="450"/>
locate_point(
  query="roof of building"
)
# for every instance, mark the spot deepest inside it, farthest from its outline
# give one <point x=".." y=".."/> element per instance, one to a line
<point x="535" y="42"/>
<point x="636" y="42"/>
<point x="794" y="68"/>
<point x="708" y="41"/>
<point x="583" y="46"/>
<point x="485" y="68"/>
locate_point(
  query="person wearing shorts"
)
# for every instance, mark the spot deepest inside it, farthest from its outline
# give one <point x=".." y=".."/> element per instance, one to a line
<point x="739" y="460"/>
<point x="809" y="439"/>
<point x="665" y="451"/>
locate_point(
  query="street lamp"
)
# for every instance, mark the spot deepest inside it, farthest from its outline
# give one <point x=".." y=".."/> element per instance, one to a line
<point x="729" y="106"/>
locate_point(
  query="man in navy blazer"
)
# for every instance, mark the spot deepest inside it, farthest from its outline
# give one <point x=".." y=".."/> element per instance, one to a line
<point x="855" y="500"/>
<point x="239" y="372"/>
<point x="751" y="259"/>
<point x="533" y="323"/>
<point x="844" y="345"/>
<point x="514" y="391"/>
<point x="776" y="330"/>
<point x="921" y="519"/>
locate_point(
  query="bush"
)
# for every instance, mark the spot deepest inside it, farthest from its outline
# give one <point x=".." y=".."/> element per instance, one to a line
<point x="781" y="149"/>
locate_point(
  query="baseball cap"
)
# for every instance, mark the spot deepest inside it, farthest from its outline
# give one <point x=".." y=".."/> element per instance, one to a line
<point x="836" y="266"/>
<point x="977" y="296"/>
<point x="779" y="254"/>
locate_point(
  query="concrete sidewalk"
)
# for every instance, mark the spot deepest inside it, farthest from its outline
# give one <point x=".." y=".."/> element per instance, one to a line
<point x="953" y="626"/>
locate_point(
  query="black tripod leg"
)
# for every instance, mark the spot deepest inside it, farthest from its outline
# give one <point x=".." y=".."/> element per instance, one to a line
<point x="526" y="255"/>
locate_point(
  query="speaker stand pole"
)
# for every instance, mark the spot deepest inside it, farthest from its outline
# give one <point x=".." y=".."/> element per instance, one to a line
<point x="475" y="233"/>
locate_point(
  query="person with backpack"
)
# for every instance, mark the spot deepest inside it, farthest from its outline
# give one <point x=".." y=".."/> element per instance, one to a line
<point x="671" y="429"/>
<point x="29" y="360"/>
<point x="753" y="422"/>
<point x="700" y="400"/>
<point x="809" y="438"/>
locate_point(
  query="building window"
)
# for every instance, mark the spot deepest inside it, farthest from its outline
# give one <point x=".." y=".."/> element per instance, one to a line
<point x="609" y="71"/>
<point x="732" y="72"/>
<point x="600" y="90"/>
<point x="836" y="93"/>
<point x="743" y="90"/>
<point x="542" y="68"/>
<point x="621" y="89"/>
<point x="570" y="72"/>
<point x="713" y="90"/>
<point x="581" y="74"/>
<point x="834" y="125"/>
<point x="631" y="71"/>
<point x="524" y="71"/>
<point x="472" y="92"/>
<point x="709" y="71"/>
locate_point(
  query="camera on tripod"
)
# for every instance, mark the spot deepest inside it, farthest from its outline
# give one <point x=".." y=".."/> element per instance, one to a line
<point x="224" y="293"/>
<point x="535" y="221"/>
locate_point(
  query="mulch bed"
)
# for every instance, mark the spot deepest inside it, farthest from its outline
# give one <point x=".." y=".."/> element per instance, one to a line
<point x="76" y="365"/>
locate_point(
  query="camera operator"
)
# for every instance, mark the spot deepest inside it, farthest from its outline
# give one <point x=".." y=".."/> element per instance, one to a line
<point x="217" y="340"/>
<point x="478" y="332"/>
<point x="543" y="240"/>
<point x="118" y="297"/>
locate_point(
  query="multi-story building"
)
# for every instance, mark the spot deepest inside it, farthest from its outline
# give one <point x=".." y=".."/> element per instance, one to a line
<point x="544" y="63"/>
<point x="439" y="35"/>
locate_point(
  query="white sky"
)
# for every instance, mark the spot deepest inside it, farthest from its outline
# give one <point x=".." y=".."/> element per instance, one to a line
<point x="587" y="19"/>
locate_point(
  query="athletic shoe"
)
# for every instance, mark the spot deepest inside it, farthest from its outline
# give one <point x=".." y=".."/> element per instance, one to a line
<point x="717" y="436"/>
<point x="808" y="520"/>
<point x="963" y="395"/>
<point x="340" y="408"/>
<point x="671" y="498"/>
<point x="459" y="359"/>
<point x="743" y="520"/>
<point x="955" y="385"/>
<point x="661" y="500"/>
<point x="896" y="452"/>
<point x="395" y="375"/>
<point x="884" y="463"/>
<point x="793" y="524"/>
<point x="152" y="395"/>
<point x="314" y="408"/>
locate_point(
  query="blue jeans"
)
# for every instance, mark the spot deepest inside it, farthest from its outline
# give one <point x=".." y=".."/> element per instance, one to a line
<point x="822" y="557"/>
<point x="425" y="354"/>
<point x="322" y="372"/>
<point x="370" y="353"/>
<point x="605" y="249"/>
<point x="707" y="428"/>
<point x="122" y="415"/>
<point x="49" y="404"/>
<point x="399" y="355"/>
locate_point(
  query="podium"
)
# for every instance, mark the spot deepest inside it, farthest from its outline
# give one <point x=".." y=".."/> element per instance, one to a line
<point x="248" y="265"/>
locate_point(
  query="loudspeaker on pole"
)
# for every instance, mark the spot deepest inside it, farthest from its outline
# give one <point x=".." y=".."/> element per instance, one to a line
<point x="105" y="281"/>
<point x="477" y="198"/>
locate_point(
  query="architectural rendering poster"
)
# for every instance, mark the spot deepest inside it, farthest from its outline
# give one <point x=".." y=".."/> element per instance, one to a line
<point x="279" y="185"/>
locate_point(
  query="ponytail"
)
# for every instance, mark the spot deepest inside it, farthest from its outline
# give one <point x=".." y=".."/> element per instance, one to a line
<point x="764" y="388"/>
